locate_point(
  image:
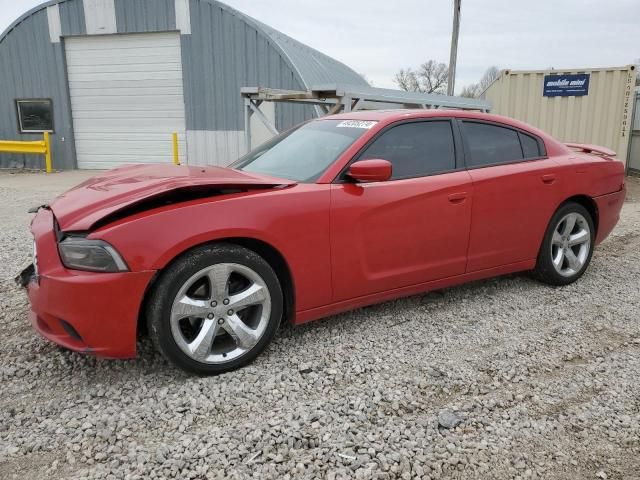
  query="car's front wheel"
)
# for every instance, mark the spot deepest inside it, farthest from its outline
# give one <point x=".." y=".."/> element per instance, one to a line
<point x="215" y="309"/>
<point x="567" y="247"/>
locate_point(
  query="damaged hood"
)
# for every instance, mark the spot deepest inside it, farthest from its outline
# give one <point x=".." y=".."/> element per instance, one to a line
<point x="108" y="193"/>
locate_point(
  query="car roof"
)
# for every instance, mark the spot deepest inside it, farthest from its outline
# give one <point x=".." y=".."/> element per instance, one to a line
<point x="391" y="116"/>
<point x="401" y="114"/>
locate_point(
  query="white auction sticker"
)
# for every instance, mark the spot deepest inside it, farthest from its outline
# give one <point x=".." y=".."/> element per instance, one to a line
<point x="356" y="124"/>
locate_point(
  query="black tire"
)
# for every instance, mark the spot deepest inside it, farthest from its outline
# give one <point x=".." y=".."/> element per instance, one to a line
<point x="545" y="270"/>
<point x="159" y="306"/>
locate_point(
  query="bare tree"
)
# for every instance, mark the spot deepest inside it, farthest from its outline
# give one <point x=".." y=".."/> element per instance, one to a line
<point x="431" y="77"/>
<point x="407" y="80"/>
<point x="475" y="90"/>
<point x="434" y="76"/>
<point x="471" y="91"/>
<point x="489" y="76"/>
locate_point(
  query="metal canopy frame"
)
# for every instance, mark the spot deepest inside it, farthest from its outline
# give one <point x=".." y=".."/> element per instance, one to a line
<point x="333" y="98"/>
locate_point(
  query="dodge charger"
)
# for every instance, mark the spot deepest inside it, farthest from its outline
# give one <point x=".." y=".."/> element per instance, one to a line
<point x="338" y="213"/>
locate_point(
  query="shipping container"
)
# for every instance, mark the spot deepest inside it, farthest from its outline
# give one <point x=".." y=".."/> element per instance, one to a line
<point x="588" y="105"/>
<point x="634" y="150"/>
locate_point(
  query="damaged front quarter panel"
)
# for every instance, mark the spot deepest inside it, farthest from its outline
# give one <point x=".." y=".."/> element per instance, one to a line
<point x="129" y="190"/>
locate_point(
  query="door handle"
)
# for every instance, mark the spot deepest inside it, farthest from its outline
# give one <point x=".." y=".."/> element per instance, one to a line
<point x="458" y="197"/>
<point x="548" y="178"/>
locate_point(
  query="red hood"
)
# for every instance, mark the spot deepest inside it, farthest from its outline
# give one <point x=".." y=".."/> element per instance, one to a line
<point x="82" y="206"/>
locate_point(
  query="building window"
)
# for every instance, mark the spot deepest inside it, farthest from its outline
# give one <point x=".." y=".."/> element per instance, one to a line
<point x="35" y="116"/>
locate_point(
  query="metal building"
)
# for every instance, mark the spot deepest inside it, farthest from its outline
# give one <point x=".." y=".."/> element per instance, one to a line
<point x="112" y="79"/>
<point x="578" y="105"/>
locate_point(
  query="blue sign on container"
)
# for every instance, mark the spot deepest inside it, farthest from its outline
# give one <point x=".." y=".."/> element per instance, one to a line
<point x="574" y="85"/>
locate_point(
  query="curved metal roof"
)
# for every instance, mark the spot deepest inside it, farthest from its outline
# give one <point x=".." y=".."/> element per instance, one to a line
<point x="312" y="66"/>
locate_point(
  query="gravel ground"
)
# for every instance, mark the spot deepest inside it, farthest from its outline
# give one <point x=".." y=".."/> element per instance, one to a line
<point x="504" y="378"/>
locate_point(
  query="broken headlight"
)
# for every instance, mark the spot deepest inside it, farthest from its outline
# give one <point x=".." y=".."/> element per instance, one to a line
<point x="79" y="253"/>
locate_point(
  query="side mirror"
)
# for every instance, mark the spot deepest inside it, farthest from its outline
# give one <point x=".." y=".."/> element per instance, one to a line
<point x="375" y="170"/>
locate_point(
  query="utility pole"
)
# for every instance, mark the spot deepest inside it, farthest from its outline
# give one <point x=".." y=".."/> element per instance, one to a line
<point x="454" y="47"/>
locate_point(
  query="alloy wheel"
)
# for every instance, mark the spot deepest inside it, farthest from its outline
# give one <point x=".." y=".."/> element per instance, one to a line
<point x="220" y="313"/>
<point x="570" y="244"/>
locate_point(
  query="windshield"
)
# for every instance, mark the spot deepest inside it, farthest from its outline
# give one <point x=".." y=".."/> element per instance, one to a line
<point x="304" y="153"/>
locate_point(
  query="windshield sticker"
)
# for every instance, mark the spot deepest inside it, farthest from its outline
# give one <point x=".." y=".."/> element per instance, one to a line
<point x="356" y="124"/>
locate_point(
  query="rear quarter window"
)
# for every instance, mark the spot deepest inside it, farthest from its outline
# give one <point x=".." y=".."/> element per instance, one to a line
<point x="530" y="146"/>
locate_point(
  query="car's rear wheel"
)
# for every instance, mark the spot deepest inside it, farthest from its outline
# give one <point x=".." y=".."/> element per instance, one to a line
<point x="215" y="309"/>
<point x="567" y="246"/>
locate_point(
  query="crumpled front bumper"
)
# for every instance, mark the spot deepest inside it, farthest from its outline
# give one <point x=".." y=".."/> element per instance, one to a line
<point x="26" y="276"/>
<point x="87" y="312"/>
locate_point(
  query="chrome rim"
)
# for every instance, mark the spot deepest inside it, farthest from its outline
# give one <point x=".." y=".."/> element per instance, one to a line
<point x="570" y="244"/>
<point x="220" y="313"/>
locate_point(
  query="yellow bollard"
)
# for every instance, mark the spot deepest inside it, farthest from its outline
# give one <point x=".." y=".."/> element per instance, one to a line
<point x="176" y="157"/>
<point x="47" y="152"/>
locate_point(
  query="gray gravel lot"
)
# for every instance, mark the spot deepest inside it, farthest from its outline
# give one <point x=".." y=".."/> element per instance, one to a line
<point x="542" y="383"/>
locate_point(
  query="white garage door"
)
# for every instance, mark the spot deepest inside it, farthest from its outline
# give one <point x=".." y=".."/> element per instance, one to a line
<point x="126" y="98"/>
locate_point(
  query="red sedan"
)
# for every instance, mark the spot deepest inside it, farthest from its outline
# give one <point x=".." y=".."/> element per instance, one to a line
<point x="338" y="213"/>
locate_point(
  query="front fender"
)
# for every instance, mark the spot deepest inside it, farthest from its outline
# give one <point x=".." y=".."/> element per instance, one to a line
<point x="201" y="238"/>
<point x="294" y="221"/>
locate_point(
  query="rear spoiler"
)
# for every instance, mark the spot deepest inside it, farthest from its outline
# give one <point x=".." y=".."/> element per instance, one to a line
<point x="592" y="149"/>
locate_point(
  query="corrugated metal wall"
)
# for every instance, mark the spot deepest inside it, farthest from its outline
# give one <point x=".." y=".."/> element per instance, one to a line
<point x="212" y="72"/>
<point x="72" y="18"/>
<point x="603" y="117"/>
<point x="224" y="52"/>
<point x="134" y="16"/>
<point x="33" y="67"/>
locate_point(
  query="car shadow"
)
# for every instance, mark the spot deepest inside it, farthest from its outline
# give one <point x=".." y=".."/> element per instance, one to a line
<point x="89" y="371"/>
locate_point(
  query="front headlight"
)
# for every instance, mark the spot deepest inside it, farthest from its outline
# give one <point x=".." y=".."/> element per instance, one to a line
<point x="93" y="255"/>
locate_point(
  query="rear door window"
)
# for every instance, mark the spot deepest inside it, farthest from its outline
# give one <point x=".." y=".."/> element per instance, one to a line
<point x="491" y="144"/>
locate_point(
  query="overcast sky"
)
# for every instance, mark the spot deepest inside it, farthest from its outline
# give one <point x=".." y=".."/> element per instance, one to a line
<point x="378" y="37"/>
